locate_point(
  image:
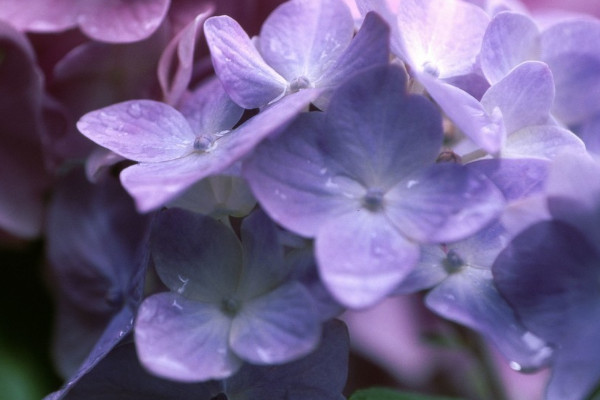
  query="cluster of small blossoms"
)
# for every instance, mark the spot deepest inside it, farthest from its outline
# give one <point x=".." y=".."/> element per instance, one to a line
<point x="217" y="182"/>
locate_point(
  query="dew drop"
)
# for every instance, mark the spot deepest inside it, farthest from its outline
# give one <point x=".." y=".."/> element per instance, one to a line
<point x="280" y="194"/>
<point x="515" y="366"/>
<point x="205" y="143"/>
<point x="411" y="183"/>
<point x="429" y="67"/>
<point x="134" y="110"/>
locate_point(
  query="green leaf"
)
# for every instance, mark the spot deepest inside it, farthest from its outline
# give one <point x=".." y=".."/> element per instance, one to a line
<point x="390" y="394"/>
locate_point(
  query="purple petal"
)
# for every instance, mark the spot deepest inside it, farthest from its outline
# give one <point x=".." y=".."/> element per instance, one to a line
<point x="573" y="191"/>
<point x="509" y="40"/>
<point x="320" y="375"/>
<point x="99" y="161"/>
<point x="441" y="36"/>
<point x="154" y="184"/>
<point x="524" y="97"/>
<point x="121" y="21"/>
<point x="41" y="15"/>
<point x="575" y="370"/>
<point x="95" y="240"/>
<point x="544" y="142"/>
<point x="184" y="340"/>
<point x="556" y="260"/>
<point x="176" y="62"/>
<point x="291" y="179"/>
<point x="305" y="190"/>
<point x="96" y="246"/>
<point x="485" y="130"/>
<point x="264" y="267"/>
<point x="304" y="38"/>
<point x="141" y="130"/>
<point x="370" y="47"/>
<point x="209" y="110"/>
<point x="195" y="255"/>
<point x="516" y="178"/>
<point x="94" y="75"/>
<point x="246" y="77"/>
<point x="469" y="297"/>
<point x="443" y="203"/>
<point x="521" y="214"/>
<point x="428" y="272"/>
<point x="589" y="135"/>
<point x="368" y="133"/>
<point x="278" y="327"/>
<point x="303" y="267"/>
<point x="362" y="257"/>
<point x="572" y="51"/>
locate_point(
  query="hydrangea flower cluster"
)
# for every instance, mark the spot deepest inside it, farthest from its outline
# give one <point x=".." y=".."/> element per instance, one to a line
<point x="219" y="185"/>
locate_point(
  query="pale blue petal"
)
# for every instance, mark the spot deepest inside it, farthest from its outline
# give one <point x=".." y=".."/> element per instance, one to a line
<point x="279" y="327"/>
<point x="362" y="257"/>
<point x="184" y="340"/>
<point x="443" y="203"/>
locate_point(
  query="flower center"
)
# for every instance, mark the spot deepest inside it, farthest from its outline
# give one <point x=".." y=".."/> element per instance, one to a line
<point x="373" y="199"/>
<point x="453" y="262"/>
<point x="298" y="84"/>
<point x="231" y="306"/>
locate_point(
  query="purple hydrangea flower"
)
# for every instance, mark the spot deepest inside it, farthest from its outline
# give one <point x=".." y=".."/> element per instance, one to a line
<point x="302" y="44"/>
<point x="178" y="148"/>
<point x="228" y="303"/>
<point x="361" y="179"/>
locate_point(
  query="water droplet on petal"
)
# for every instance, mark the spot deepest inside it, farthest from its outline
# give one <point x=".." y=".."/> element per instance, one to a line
<point x="515" y="366"/>
<point x="205" y="143"/>
<point x="429" y="67"/>
<point x="411" y="183"/>
<point x="134" y="110"/>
